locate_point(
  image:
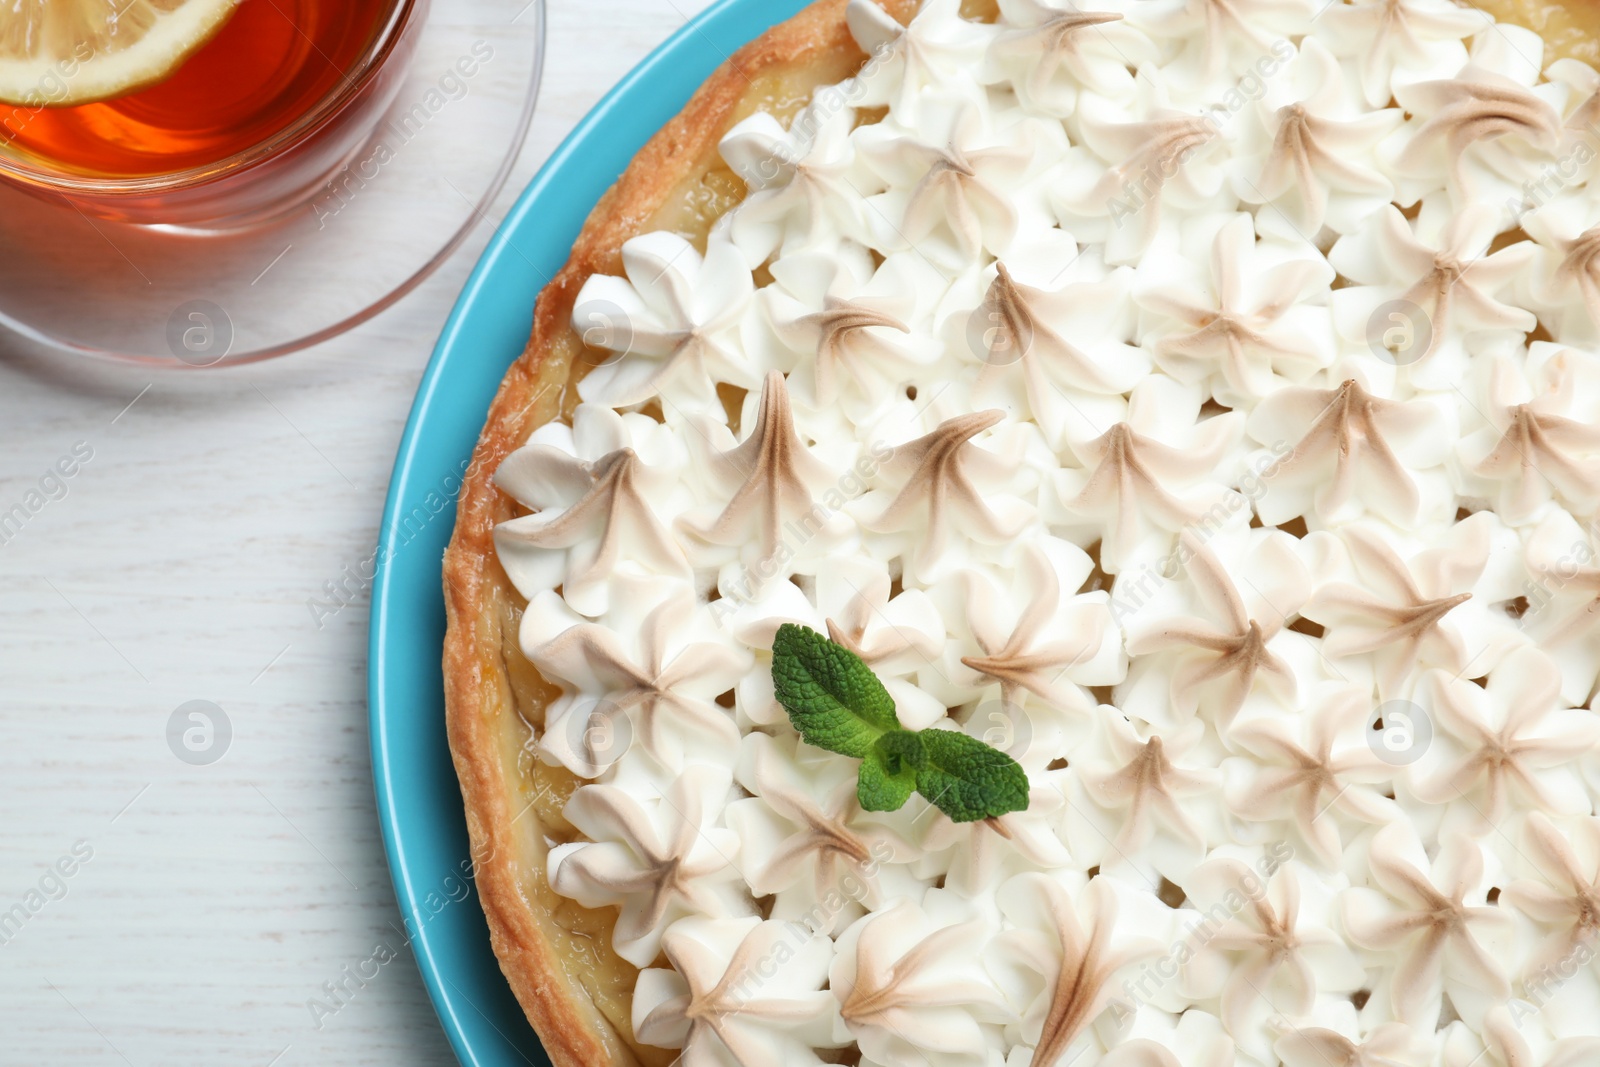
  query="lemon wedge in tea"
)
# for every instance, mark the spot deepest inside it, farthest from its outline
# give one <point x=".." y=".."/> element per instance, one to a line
<point x="60" y="53"/>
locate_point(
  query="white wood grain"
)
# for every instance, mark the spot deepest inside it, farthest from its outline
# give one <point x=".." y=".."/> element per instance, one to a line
<point x="177" y="567"/>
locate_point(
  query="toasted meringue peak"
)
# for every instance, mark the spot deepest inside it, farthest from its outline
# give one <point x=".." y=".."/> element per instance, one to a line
<point x="1048" y="40"/>
<point x="609" y="524"/>
<point x="656" y="861"/>
<point x="1474" y="108"/>
<point x="1314" y="1046"/>
<point x="823" y="832"/>
<point x="839" y="341"/>
<point x="676" y="314"/>
<point x="985" y="852"/>
<point x="1142" y="157"/>
<point x="1419" y="911"/>
<point x="1286" y="952"/>
<point x="889" y="633"/>
<point x="1036" y="322"/>
<point x="845" y="322"/>
<point x="956" y="181"/>
<point x="1146" y="477"/>
<point x="1320" y="147"/>
<point x="773" y="472"/>
<point x="939" y="474"/>
<point x="1455" y="283"/>
<point x="1345" y="453"/>
<point x="1124" y="480"/>
<point x="1513" y="742"/>
<point x="1245" y="30"/>
<point x="1306" y="155"/>
<point x="914" y="61"/>
<point x="1503" y="1037"/>
<point x="1389" y="615"/>
<point x="1563" y="591"/>
<point x="1236" y="331"/>
<point x="954" y="192"/>
<point x="668" y="689"/>
<point x="1021" y="660"/>
<point x="1542" y="452"/>
<point x="819" y="834"/>
<point x="1311" y="780"/>
<point x="1385" y="37"/>
<point x="1580" y="269"/>
<point x="1076" y="953"/>
<point x="805" y="180"/>
<point x="1566" y="895"/>
<point x="1149" y="789"/>
<point x="725" y="1001"/>
<point x="1233" y="649"/>
<point x="908" y="990"/>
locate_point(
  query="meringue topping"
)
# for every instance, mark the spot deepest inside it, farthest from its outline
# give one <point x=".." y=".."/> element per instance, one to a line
<point x="1282" y="956"/>
<point x="1146" y="156"/>
<point x="1151" y="788"/>
<point x="1233" y="650"/>
<point x="1053" y="42"/>
<point x="1318" y="148"/>
<point x="719" y="1000"/>
<point x="839" y="344"/>
<point x="912" y="994"/>
<point x="1308" y="779"/>
<point x="1315" y="1046"/>
<point x="654" y="860"/>
<point x="662" y="686"/>
<point x="1476" y="106"/>
<point x="1541" y="452"/>
<point x="827" y="837"/>
<point x="1454" y="282"/>
<point x="612" y="520"/>
<point x="938" y="488"/>
<point x="1383" y="37"/>
<point x="678" y="311"/>
<point x="1388" y="616"/>
<point x="1567" y="895"/>
<point x="1580" y="266"/>
<point x="1080" y="988"/>
<point x="1034" y="338"/>
<point x="952" y="193"/>
<point x="1019" y="661"/>
<point x="1125" y="488"/>
<point x="1183" y="399"/>
<point x="1419" y="911"/>
<point x="1514" y="739"/>
<point x="772" y="470"/>
<point x="1348" y="431"/>
<point x="1237" y="333"/>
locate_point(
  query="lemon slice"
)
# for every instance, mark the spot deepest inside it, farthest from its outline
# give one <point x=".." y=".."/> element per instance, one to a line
<point x="58" y="53"/>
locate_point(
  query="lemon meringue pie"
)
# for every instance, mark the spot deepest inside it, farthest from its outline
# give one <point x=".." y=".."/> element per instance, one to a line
<point x="1194" y="401"/>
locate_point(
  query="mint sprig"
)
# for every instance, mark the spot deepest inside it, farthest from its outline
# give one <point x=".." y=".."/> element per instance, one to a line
<point x="838" y="704"/>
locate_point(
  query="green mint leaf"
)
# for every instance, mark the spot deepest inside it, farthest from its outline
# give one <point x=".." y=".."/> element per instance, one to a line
<point x="901" y="750"/>
<point x="879" y="789"/>
<point x="837" y="703"/>
<point x="832" y="698"/>
<point x="889" y="773"/>
<point x="968" y="780"/>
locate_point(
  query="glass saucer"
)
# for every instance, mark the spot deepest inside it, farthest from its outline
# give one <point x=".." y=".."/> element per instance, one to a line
<point x="379" y="225"/>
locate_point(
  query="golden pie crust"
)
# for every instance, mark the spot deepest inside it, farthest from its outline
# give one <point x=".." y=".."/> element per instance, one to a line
<point x="555" y="953"/>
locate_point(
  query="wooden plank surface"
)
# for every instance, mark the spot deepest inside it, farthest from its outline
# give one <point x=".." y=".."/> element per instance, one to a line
<point x="176" y="913"/>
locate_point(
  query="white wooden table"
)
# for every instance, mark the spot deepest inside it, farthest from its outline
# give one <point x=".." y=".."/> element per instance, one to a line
<point x="168" y="913"/>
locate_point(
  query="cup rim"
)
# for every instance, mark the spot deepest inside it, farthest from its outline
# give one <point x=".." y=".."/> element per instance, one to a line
<point x="297" y="132"/>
